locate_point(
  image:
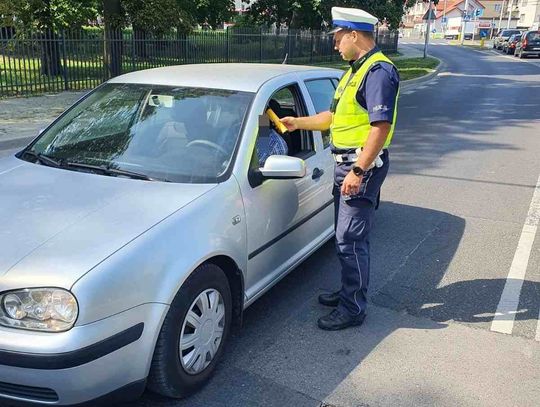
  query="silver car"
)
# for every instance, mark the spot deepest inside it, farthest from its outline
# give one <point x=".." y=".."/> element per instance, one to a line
<point x="139" y="225"/>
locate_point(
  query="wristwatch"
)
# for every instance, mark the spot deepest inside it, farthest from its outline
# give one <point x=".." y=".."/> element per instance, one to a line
<point x="358" y="171"/>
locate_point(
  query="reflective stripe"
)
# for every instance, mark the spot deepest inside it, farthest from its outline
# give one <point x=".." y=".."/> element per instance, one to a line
<point x="350" y="123"/>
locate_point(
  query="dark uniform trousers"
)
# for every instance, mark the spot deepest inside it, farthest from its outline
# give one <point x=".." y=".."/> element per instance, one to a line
<point x="353" y="222"/>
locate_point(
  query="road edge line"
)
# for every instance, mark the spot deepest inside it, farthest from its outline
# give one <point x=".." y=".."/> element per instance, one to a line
<point x="505" y="315"/>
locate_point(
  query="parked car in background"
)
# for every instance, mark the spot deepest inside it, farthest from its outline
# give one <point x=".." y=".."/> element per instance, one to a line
<point x="503" y="36"/>
<point x="139" y="225"/>
<point x="528" y="45"/>
<point x="509" y="46"/>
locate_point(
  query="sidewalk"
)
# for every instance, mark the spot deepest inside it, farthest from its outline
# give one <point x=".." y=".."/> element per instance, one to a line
<point x="22" y="118"/>
<point x="409" y="51"/>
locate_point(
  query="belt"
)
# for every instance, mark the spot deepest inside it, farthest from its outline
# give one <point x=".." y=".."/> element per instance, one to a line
<point x="352" y="157"/>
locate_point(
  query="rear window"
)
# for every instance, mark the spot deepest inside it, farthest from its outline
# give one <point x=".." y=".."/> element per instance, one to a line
<point x="533" y="36"/>
<point x="508" y="33"/>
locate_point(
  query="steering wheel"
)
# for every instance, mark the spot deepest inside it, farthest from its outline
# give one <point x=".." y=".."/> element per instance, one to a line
<point x="207" y="144"/>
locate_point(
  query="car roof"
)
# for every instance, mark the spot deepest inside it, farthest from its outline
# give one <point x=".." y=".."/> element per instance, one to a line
<point x="243" y="77"/>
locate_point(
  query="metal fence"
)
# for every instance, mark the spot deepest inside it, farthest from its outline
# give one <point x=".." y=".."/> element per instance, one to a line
<point x="32" y="63"/>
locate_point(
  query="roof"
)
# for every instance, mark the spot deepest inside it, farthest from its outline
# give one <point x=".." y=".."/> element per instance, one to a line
<point x="243" y="77"/>
<point x="452" y="5"/>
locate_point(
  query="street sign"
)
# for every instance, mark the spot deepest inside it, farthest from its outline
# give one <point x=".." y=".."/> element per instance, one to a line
<point x="444" y="20"/>
<point x="429" y="14"/>
<point x="479" y="12"/>
<point x="466" y="17"/>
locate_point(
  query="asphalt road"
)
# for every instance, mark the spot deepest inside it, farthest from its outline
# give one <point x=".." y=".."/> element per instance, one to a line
<point x="464" y="172"/>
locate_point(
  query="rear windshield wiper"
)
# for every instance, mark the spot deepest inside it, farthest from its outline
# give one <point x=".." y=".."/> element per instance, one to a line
<point x="111" y="171"/>
<point x="44" y="159"/>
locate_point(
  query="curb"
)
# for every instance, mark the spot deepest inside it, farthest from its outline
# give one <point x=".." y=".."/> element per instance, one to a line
<point x="425" y="78"/>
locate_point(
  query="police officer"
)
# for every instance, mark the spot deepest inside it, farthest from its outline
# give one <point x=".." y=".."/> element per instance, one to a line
<point x="361" y="120"/>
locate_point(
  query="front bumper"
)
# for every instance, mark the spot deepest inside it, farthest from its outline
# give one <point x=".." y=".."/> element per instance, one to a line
<point x="82" y="364"/>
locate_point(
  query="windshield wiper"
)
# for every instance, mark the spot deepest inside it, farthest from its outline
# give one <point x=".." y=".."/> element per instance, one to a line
<point x="111" y="171"/>
<point x="44" y="159"/>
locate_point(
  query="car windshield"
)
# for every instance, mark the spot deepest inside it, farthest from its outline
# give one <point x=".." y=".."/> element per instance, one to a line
<point x="533" y="36"/>
<point x="178" y="134"/>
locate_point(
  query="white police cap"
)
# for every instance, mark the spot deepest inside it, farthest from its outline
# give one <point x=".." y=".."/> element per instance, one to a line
<point x="352" y="19"/>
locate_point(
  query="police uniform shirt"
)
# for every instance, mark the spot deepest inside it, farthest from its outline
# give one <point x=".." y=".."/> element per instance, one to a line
<point x="377" y="93"/>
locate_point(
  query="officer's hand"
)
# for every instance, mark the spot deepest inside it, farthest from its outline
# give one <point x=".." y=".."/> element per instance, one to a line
<point x="351" y="184"/>
<point x="290" y="123"/>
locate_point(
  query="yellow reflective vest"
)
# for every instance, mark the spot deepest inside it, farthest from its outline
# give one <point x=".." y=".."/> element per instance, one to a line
<point x="350" y="122"/>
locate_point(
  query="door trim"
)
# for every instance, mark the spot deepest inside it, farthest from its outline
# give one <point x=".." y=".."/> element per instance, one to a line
<point x="289" y="230"/>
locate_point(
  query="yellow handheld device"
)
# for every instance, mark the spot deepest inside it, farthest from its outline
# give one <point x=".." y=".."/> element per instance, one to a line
<point x="279" y="126"/>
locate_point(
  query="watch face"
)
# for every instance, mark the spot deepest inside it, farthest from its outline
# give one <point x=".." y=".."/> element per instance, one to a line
<point x="358" y="171"/>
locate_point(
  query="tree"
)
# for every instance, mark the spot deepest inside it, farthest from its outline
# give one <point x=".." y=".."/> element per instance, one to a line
<point x="214" y="12"/>
<point x="49" y="16"/>
<point x="291" y="13"/>
<point x="315" y="14"/>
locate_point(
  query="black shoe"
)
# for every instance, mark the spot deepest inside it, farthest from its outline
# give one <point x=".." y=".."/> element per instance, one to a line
<point x="336" y="320"/>
<point x="332" y="299"/>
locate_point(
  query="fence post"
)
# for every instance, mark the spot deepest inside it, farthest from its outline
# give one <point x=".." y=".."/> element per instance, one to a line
<point x="311" y="48"/>
<point x="64" y="61"/>
<point x="133" y="50"/>
<point x="228" y="45"/>
<point x="260" y="44"/>
<point x="288" y="44"/>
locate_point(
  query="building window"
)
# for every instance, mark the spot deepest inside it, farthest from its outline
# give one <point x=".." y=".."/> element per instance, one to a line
<point x="522" y="18"/>
<point x="523" y="3"/>
<point x="498" y="8"/>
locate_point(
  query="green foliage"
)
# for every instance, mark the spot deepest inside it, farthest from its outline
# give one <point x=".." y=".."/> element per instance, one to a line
<point x="213" y="12"/>
<point x="49" y="14"/>
<point x="158" y="16"/>
<point x="316" y="14"/>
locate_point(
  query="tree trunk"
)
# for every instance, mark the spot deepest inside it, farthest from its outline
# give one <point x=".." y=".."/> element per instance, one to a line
<point x="50" y="54"/>
<point x="139" y="36"/>
<point x="113" y="38"/>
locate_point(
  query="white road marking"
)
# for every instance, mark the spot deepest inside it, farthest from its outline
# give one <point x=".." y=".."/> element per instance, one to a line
<point x="509" y="302"/>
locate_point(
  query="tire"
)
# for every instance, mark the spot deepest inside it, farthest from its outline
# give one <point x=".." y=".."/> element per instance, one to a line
<point x="169" y="375"/>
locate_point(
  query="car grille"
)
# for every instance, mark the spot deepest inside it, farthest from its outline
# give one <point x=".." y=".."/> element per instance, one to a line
<point x="27" y="392"/>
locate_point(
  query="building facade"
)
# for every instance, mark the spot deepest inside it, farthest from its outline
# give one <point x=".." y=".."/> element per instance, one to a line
<point x="491" y="16"/>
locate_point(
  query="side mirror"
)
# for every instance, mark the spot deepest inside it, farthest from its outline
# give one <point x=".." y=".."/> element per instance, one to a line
<point x="283" y="166"/>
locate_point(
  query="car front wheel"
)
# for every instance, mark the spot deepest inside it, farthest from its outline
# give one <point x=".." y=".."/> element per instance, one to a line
<point x="193" y="334"/>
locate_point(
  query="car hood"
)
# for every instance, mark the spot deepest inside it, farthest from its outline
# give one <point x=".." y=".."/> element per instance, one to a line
<point x="56" y="224"/>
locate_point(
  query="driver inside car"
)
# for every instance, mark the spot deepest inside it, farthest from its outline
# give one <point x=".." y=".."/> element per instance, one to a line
<point x="270" y="143"/>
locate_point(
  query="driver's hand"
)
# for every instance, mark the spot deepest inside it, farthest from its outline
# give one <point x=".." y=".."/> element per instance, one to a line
<point x="290" y="122"/>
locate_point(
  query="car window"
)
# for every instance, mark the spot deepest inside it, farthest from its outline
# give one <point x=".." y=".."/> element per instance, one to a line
<point x="322" y="92"/>
<point x="181" y="134"/>
<point x="533" y="36"/>
<point x="285" y="102"/>
<point x="507" y="33"/>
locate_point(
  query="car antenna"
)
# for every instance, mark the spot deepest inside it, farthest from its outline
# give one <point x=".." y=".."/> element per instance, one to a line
<point x="285" y="60"/>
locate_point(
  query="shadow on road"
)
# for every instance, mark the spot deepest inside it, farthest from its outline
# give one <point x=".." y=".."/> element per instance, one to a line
<point x="281" y="358"/>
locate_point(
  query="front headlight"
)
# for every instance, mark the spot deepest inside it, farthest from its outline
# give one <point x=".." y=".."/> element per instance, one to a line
<point x="39" y="309"/>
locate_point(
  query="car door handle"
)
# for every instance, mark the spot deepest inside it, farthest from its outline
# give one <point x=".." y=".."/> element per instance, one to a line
<point x="317" y="173"/>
